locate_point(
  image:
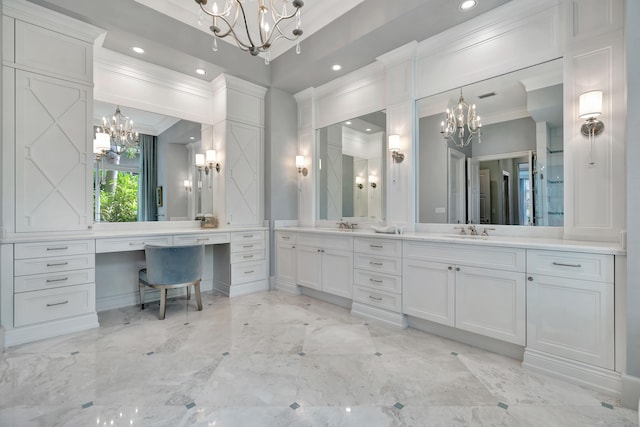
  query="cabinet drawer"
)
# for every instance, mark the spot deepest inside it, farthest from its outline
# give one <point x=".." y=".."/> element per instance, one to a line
<point x="201" y="239"/>
<point x="378" y="263"/>
<point x="24" y="267"/>
<point x="247" y="246"/>
<point x="52" y="304"/>
<point x="35" y="282"/>
<point x="49" y="249"/>
<point x="509" y="259"/>
<point x="247" y="236"/>
<point x="344" y="243"/>
<point x="385" y="300"/>
<point x="388" y="247"/>
<point x="247" y="272"/>
<point x="573" y="265"/>
<point x="123" y="244"/>
<point x="376" y="280"/>
<point x="285" y="236"/>
<point x="246" y="256"/>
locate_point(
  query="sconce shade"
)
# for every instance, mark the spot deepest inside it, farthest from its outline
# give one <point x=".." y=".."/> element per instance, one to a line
<point x="102" y="143"/>
<point x="187" y="183"/>
<point x="199" y="160"/>
<point x="394" y="142"/>
<point x="211" y="156"/>
<point x="299" y="161"/>
<point x="590" y="104"/>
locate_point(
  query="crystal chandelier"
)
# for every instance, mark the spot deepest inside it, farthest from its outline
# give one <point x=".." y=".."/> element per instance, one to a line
<point x="270" y="18"/>
<point x="462" y="124"/>
<point x="120" y="131"/>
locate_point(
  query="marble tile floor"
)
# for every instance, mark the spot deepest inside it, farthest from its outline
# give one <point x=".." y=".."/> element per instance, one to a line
<point x="275" y="359"/>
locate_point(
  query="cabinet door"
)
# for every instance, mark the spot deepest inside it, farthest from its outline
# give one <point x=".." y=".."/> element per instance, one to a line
<point x="428" y="291"/>
<point x="53" y="166"/>
<point x="571" y="318"/>
<point x="286" y="262"/>
<point x="337" y="272"/>
<point x="243" y="160"/>
<point x="491" y="302"/>
<point x="309" y="267"/>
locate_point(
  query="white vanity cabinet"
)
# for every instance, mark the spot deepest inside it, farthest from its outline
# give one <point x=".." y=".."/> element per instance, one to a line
<point x="242" y="267"/>
<point x="377" y="274"/>
<point x="570" y="306"/>
<point x="52" y="281"/>
<point x="325" y="263"/>
<point x="476" y="288"/>
<point x="285" y="258"/>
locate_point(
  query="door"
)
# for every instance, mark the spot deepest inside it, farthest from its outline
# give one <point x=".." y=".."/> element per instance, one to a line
<point x="456" y="188"/>
<point x="473" y="174"/>
<point x="337" y="272"/>
<point x="491" y="302"/>
<point x="309" y="267"/>
<point x="286" y="263"/>
<point x="428" y="291"/>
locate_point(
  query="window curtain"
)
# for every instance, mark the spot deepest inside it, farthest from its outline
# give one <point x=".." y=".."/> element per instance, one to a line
<point x="147" y="208"/>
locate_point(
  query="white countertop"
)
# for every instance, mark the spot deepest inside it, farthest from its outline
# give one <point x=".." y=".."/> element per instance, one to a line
<point x="519" y="241"/>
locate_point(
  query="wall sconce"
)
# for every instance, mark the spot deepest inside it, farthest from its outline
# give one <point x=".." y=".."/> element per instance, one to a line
<point x="373" y="181"/>
<point x="590" y="108"/>
<point x="211" y="159"/>
<point x="394" y="147"/>
<point x="359" y="182"/>
<point x="187" y="185"/>
<point x="300" y="165"/>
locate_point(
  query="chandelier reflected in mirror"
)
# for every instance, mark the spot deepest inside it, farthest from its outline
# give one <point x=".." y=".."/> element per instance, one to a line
<point x="121" y="134"/>
<point x="230" y="19"/>
<point x="462" y="124"/>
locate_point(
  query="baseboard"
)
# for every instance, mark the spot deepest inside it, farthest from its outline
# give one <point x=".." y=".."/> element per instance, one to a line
<point x="575" y="372"/>
<point x="486" y="343"/>
<point x="2" y="346"/>
<point x="288" y="287"/>
<point x="150" y="295"/>
<point x="323" y="296"/>
<point x="54" y="328"/>
<point x="394" y="319"/>
<point x="242" y="288"/>
<point x="630" y="391"/>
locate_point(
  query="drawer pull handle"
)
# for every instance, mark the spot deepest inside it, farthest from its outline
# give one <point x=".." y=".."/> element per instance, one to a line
<point x="247" y="256"/>
<point x="376" y="246"/>
<point x="57" y="264"/>
<point x="58" y="303"/>
<point x="449" y="268"/>
<point x="248" y="272"/>
<point x="530" y="278"/>
<point x="62" y="279"/>
<point x="377" y="264"/>
<point x="247" y="246"/>
<point x="247" y="236"/>
<point x="375" y="280"/>
<point x="561" y="264"/>
<point x="135" y="243"/>
<point x="59" y="248"/>
<point x="375" y="298"/>
<point x="286" y="237"/>
<point x="457" y="268"/>
<point x="203" y="239"/>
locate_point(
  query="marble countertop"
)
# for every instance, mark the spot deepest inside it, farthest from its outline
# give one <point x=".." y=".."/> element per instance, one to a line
<point x="516" y="241"/>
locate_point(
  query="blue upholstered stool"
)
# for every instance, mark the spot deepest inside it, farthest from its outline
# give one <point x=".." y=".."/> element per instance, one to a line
<point x="172" y="267"/>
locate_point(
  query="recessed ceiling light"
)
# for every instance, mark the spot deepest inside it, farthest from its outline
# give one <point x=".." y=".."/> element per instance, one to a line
<point x="347" y="123"/>
<point x="468" y="4"/>
<point x="336" y="67"/>
<point x="137" y="49"/>
<point x="192" y="138"/>
<point x="368" y="129"/>
<point x="201" y="71"/>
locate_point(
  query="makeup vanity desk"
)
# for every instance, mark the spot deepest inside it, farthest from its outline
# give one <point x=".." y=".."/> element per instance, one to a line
<point x="56" y="284"/>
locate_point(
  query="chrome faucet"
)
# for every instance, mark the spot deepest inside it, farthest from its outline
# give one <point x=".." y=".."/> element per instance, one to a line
<point x="345" y="225"/>
<point x="472" y="230"/>
<point x="462" y="231"/>
<point x="484" y="232"/>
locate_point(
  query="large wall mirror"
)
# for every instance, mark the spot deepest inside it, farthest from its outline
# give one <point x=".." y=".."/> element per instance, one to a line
<point x="510" y="171"/>
<point x="147" y="182"/>
<point x="350" y="177"/>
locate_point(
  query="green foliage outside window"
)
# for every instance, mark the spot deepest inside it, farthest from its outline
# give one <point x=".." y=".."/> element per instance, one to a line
<point x="119" y="197"/>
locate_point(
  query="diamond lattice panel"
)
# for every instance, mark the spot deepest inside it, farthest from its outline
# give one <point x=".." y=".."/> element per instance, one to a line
<point x="243" y="152"/>
<point x="51" y="157"/>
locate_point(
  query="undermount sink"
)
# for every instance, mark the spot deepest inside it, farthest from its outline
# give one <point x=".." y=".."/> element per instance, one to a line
<point x="466" y="236"/>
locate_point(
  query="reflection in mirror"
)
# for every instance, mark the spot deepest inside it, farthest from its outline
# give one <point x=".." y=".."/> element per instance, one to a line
<point x="145" y="182"/>
<point x="351" y="169"/>
<point x="513" y="173"/>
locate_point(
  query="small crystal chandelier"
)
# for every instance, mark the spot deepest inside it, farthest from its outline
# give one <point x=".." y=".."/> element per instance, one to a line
<point x="462" y="124"/>
<point x="269" y="20"/>
<point x="120" y="131"/>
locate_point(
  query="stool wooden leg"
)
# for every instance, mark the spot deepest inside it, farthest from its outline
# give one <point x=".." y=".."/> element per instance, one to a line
<point x="141" y="292"/>
<point x="163" y="303"/>
<point x="198" y="297"/>
<point x="188" y="293"/>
